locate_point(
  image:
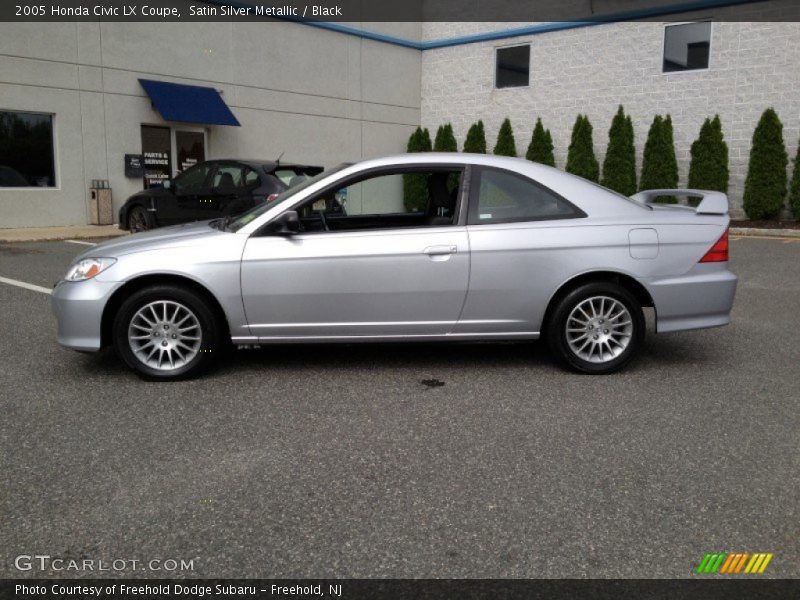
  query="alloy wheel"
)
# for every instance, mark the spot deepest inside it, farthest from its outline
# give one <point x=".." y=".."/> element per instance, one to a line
<point x="599" y="329"/>
<point x="165" y="335"/>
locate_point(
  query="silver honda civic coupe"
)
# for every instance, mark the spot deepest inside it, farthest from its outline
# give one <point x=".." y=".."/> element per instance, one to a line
<point x="416" y="247"/>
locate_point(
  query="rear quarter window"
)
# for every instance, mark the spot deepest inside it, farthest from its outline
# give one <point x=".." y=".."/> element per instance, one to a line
<point x="505" y="197"/>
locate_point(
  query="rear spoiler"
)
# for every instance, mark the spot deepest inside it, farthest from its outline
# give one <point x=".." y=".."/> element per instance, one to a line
<point x="712" y="203"/>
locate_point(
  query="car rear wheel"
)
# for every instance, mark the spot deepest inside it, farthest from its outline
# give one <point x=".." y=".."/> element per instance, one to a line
<point x="596" y="328"/>
<point x="167" y="332"/>
<point x="139" y="220"/>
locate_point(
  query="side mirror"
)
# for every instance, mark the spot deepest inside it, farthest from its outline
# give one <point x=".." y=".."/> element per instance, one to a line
<point x="287" y="223"/>
<point x="167" y="185"/>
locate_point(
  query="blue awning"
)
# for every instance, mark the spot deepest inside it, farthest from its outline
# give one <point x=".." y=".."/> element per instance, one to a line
<point x="188" y="103"/>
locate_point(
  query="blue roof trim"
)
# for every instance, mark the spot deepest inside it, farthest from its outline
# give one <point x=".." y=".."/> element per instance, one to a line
<point x="362" y="33"/>
<point x="630" y="15"/>
<point x="188" y="103"/>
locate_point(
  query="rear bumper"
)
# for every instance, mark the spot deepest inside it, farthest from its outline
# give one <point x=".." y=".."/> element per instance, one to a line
<point x="701" y="298"/>
<point x="78" y="307"/>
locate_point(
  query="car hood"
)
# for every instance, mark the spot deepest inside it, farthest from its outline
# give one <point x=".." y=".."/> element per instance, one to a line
<point x="178" y="235"/>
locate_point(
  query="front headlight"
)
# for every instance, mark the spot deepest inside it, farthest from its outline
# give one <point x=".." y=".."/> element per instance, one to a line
<point x="88" y="268"/>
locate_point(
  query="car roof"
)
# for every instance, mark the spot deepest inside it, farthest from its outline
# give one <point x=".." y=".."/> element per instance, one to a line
<point x="588" y="196"/>
<point x="267" y="165"/>
<point x="537" y="171"/>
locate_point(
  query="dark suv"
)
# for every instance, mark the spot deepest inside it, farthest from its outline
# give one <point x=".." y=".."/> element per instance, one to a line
<point x="211" y="189"/>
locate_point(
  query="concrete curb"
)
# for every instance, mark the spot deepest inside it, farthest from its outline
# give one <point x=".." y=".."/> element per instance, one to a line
<point x="43" y="234"/>
<point x="752" y="231"/>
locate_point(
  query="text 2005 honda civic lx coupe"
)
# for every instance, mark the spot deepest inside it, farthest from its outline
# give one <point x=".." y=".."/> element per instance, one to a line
<point x="407" y="248"/>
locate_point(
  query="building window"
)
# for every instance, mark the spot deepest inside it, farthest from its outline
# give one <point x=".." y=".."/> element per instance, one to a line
<point x="687" y="46"/>
<point x="26" y="150"/>
<point x="513" y="67"/>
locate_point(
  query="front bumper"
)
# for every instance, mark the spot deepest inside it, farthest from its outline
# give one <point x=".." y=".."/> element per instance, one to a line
<point x="701" y="298"/>
<point x="78" y="307"/>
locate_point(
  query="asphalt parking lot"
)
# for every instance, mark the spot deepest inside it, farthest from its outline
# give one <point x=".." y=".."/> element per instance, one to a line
<point x="475" y="460"/>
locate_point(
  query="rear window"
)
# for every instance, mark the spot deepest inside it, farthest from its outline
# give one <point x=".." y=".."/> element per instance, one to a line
<point x="292" y="176"/>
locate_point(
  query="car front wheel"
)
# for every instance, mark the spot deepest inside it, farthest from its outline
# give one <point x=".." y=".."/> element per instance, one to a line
<point x="139" y="220"/>
<point x="167" y="332"/>
<point x="596" y="328"/>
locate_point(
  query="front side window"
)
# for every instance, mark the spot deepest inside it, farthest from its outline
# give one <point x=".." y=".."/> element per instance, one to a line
<point x="505" y="197"/>
<point x="191" y="181"/>
<point x="409" y="198"/>
<point x="687" y="46"/>
<point x="513" y="67"/>
<point x="26" y="150"/>
<point x="255" y="212"/>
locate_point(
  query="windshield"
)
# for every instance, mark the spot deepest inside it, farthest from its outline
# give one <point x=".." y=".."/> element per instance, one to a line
<point x="259" y="210"/>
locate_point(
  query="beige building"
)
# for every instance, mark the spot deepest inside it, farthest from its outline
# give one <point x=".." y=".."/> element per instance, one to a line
<point x="72" y="102"/>
<point x="72" y="90"/>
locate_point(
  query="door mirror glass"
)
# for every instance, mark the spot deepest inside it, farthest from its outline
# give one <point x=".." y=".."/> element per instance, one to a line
<point x="167" y="184"/>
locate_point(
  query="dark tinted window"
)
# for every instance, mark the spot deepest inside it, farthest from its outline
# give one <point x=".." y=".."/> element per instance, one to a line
<point x="192" y="180"/>
<point x="513" y="66"/>
<point x="503" y="197"/>
<point x="687" y="46"/>
<point x="228" y="177"/>
<point x="26" y="150"/>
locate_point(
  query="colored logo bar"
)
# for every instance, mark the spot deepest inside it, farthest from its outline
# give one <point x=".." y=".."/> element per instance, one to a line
<point x="729" y="563"/>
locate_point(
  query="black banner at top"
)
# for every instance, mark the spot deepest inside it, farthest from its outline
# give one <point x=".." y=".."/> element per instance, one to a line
<point x="359" y="11"/>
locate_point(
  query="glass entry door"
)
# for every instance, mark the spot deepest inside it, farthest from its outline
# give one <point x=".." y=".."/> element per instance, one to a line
<point x="190" y="149"/>
<point x="157" y="154"/>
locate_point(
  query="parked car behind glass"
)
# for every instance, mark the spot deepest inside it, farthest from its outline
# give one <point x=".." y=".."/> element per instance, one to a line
<point x="211" y="189"/>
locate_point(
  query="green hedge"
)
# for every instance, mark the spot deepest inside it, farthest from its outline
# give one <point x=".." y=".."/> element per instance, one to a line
<point x="659" y="164"/>
<point x="619" y="165"/>
<point x="581" y="160"/>
<point x="541" y="147"/>
<point x="505" y="146"/>
<point x="476" y="139"/>
<point x="415" y="185"/>
<point x="445" y="140"/>
<point x="708" y="169"/>
<point x="794" y="191"/>
<point x="765" y="186"/>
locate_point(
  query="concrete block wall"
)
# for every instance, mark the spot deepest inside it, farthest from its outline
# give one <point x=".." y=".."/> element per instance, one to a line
<point x="592" y="70"/>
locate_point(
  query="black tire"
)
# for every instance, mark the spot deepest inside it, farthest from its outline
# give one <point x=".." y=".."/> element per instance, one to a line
<point x="139" y="219"/>
<point x="556" y="329"/>
<point x="211" y="336"/>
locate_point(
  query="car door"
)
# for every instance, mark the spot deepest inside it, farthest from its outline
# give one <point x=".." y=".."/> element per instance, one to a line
<point x="381" y="271"/>
<point x="187" y="189"/>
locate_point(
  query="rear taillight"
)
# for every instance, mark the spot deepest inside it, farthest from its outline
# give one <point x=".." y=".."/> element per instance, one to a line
<point x="719" y="251"/>
<point x="271" y="197"/>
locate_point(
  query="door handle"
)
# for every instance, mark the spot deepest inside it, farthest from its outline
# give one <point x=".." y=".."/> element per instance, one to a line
<point x="440" y="250"/>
